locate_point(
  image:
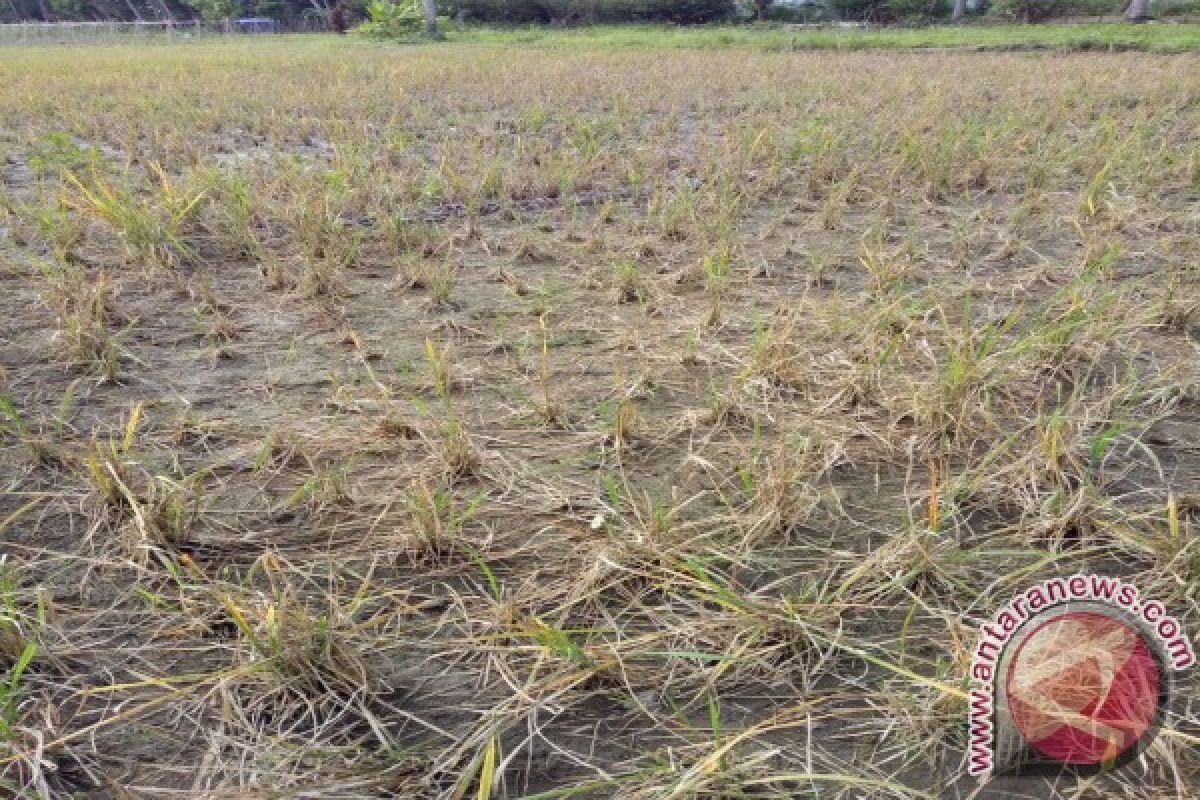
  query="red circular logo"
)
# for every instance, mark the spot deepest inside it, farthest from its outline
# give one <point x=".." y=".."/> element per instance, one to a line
<point x="1083" y="688"/>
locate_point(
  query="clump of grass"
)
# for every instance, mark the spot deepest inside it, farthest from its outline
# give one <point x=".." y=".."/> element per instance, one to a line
<point x="717" y="267"/>
<point x="155" y="513"/>
<point x="819" y="266"/>
<point x="152" y="229"/>
<point x="18" y="648"/>
<point x="321" y="277"/>
<point x="621" y="421"/>
<point x="888" y="269"/>
<point x="775" y="356"/>
<point x="674" y="212"/>
<point x="162" y="512"/>
<point x="30" y="434"/>
<point x="728" y="406"/>
<point x="438" y="517"/>
<point x="88" y="325"/>
<point x="457" y="452"/>
<point x="628" y="282"/>
<point x="841" y="187"/>
<point x="59" y="152"/>
<point x="54" y="224"/>
<point x="959" y="391"/>
<point x="307" y="653"/>
<point x="440" y="361"/>
<point x="1179" y="308"/>
<point x="172" y="506"/>
<point x="436" y="276"/>
<point x="278" y="449"/>
<point x="108" y="465"/>
<point x="212" y="318"/>
<point x="548" y="408"/>
<point x="781" y="489"/>
<point x="328" y="484"/>
<point x="404" y="236"/>
<point x="13" y="688"/>
<point x="233" y="200"/>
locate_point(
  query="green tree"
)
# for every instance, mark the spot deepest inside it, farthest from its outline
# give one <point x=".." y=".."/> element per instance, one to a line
<point x="216" y="10"/>
<point x="66" y="9"/>
<point x="391" y="19"/>
<point x="1029" y="10"/>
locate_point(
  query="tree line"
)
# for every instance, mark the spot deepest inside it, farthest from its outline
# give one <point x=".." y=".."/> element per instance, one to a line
<point x="568" y="12"/>
<point x="159" y="10"/>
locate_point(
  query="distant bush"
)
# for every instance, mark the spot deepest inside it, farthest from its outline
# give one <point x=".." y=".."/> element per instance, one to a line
<point x="889" y="11"/>
<point x="799" y="13"/>
<point x="1092" y="8"/>
<point x="392" y="19"/>
<point x="1179" y="8"/>
<point x="519" y="12"/>
<point x="1042" y="10"/>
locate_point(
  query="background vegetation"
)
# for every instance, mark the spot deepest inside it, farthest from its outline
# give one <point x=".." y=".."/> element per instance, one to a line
<point x="579" y="12"/>
<point x="1075" y="37"/>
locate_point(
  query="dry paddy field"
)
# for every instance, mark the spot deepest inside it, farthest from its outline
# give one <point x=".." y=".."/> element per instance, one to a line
<point x="499" y="422"/>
